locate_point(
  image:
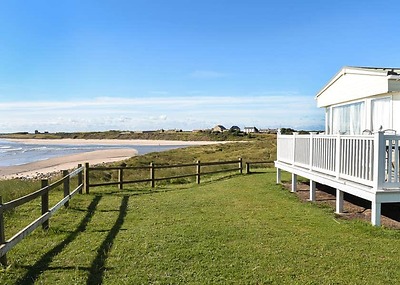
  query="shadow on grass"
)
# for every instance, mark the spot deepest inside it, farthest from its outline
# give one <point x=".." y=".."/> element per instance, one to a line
<point x="132" y="192"/>
<point x="97" y="268"/>
<point x="43" y="263"/>
<point x="160" y="188"/>
<point x="255" y="172"/>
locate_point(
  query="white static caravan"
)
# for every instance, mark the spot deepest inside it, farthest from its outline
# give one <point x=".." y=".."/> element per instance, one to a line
<point x="359" y="151"/>
<point x="361" y="100"/>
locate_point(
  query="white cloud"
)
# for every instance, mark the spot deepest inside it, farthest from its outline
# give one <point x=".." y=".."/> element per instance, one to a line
<point x="193" y="112"/>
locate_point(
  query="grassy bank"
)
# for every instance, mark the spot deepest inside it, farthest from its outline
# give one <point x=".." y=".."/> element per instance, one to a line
<point x="243" y="230"/>
<point x="250" y="151"/>
<point x="157" y="135"/>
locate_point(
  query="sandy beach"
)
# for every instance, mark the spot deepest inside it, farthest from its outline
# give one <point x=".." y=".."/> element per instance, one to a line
<point x="44" y="167"/>
<point x="52" y="165"/>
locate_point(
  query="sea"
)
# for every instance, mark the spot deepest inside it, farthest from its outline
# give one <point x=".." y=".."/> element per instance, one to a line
<point x="16" y="153"/>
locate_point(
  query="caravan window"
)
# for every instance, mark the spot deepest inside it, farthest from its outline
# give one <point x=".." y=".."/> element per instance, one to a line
<point x="380" y="109"/>
<point x="348" y="119"/>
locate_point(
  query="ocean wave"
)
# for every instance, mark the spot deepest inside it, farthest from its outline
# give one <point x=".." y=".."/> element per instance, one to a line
<point x="5" y="146"/>
<point x="14" y="153"/>
<point x="13" y="150"/>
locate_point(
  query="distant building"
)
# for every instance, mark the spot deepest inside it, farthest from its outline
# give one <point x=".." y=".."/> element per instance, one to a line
<point x="174" y="131"/>
<point x="219" y="129"/>
<point x="249" y="130"/>
<point x="269" y="131"/>
<point x="234" y="129"/>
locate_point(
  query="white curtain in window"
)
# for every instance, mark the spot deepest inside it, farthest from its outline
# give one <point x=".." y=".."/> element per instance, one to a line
<point x="328" y="120"/>
<point x="356" y="118"/>
<point x="348" y="119"/>
<point x="380" y="114"/>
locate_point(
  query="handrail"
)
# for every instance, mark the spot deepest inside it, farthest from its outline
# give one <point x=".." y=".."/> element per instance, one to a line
<point x="371" y="160"/>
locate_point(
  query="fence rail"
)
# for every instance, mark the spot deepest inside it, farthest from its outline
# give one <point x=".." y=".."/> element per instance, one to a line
<point x="43" y="192"/>
<point x="249" y="163"/>
<point x="83" y="173"/>
<point x="152" y="173"/>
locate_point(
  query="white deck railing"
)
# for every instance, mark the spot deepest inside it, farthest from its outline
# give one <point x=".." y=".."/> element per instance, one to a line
<point x="371" y="160"/>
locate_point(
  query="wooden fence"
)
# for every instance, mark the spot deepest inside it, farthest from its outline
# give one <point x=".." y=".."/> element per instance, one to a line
<point x="153" y="178"/>
<point x="84" y="183"/>
<point x="6" y="245"/>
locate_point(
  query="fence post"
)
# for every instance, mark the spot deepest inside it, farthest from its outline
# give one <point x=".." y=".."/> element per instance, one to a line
<point x="86" y="175"/>
<point x="3" y="259"/>
<point x="45" y="202"/>
<point x="66" y="186"/>
<point x="240" y="165"/>
<point x="247" y="167"/>
<point x="80" y="178"/>
<point x="121" y="176"/>
<point x="152" y="175"/>
<point x="198" y="172"/>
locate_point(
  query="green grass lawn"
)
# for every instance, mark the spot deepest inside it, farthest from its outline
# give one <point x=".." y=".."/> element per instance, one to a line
<point x="241" y="230"/>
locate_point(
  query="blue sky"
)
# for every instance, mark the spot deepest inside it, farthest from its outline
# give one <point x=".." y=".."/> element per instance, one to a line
<point x="141" y="64"/>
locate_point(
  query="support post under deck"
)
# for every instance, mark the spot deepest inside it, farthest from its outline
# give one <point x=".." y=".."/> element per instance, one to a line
<point x="339" y="201"/>
<point x="375" y="213"/>
<point x="294" y="182"/>
<point x="312" y="190"/>
<point x="278" y="176"/>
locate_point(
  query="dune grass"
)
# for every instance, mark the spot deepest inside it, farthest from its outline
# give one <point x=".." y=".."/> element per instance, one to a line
<point x="249" y="151"/>
<point x="206" y="135"/>
<point x="241" y="230"/>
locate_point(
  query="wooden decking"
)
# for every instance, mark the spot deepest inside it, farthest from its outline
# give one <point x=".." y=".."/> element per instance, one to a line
<point x="364" y="166"/>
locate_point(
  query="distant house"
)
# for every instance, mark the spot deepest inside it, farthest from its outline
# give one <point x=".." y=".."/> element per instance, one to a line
<point x="234" y="129"/>
<point x="218" y="129"/>
<point x="249" y="130"/>
<point x="268" y="131"/>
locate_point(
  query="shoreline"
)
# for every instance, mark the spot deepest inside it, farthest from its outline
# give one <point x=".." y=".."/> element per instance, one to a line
<point x="48" y="167"/>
